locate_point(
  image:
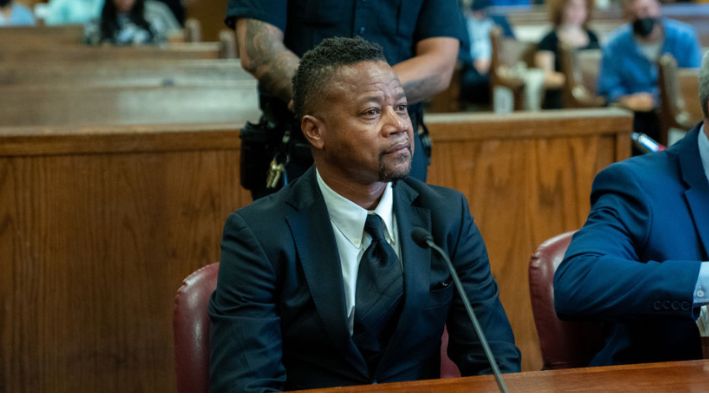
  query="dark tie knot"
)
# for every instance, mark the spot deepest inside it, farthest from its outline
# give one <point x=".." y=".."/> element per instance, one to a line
<point x="374" y="226"/>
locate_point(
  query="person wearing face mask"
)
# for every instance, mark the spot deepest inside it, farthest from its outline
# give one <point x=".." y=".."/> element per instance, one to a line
<point x="14" y="14"/>
<point x="629" y="72"/>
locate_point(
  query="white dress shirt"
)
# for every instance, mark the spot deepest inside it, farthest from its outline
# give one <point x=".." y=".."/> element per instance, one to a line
<point x="347" y="220"/>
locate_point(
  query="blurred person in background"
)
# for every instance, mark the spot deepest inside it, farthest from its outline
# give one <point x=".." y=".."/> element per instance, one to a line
<point x="15" y="14"/>
<point x="476" y="57"/>
<point x="64" y="12"/>
<point x="132" y="22"/>
<point x="629" y="72"/>
<point x="570" y="19"/>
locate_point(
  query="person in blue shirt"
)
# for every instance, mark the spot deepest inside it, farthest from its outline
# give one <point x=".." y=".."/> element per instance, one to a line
<point x="629" y="72"/>
<point x="641" y="262"/>
<point x="476" y="54"/>
<point x="14" y="14"/>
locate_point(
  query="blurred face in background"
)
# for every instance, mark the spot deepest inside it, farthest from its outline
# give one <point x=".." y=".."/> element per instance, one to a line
<point x="637" y="9"/>
<point x="123" y="5"/>
<point x="575" y="13"/>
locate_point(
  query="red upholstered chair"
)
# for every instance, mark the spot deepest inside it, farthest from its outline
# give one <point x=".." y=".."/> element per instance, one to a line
<point x="564" y="344"/>
<point x="191" y="329"/>
<point x="191" y="332"/>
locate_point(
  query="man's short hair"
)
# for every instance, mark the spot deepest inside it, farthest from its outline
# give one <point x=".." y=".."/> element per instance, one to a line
<point x="704" y="85"/>
<point x="319" y="64"/>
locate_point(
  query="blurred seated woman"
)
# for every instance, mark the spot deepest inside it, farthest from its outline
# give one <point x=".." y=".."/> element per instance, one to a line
<point x="14" y="14"/>
<point x="132" y="22"/>
<point x="570" y="19"/>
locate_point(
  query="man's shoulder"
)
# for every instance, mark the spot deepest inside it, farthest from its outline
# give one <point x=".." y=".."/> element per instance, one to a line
<point x="673" y="26"/>
<point x="621" y="37"/>
<point x="648" y="173"/>
<point x="432" y="196"/>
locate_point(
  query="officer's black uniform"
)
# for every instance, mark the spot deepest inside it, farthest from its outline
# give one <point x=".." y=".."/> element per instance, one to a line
<point x="396" y="25"/>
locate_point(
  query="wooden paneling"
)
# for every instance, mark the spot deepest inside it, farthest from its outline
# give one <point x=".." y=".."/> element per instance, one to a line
<point x="210" y="103"/>
<point x="99" y="225"/>
<point x="94" y="246"/>
<point x="210" y="14"/>
<point x="688" y="80"/>
<point x="139" y="72"/>
<point x="42" y="53"/>
<point x="528" y="177"/>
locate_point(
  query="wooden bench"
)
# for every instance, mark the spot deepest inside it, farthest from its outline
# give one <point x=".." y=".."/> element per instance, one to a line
<point x="508" y="57"/>
<point x="78" y="53"/>
<point x="100" y="225"/>
<point x="47" y="106"/>
<point x="130" y="72"/>
<point x="59" y="35"/>
<point x="531" y="23"/>
<point x="581" y="69"/>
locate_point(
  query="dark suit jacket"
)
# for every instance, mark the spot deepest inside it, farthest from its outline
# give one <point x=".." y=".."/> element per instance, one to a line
<point x="636" y="261"/>
<point x="278" y="313"/>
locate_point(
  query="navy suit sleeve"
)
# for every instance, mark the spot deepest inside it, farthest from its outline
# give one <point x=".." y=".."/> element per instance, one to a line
<point x="604" y="275"/>
<point x="469" y="256"/>
<point x="245" y="333"/>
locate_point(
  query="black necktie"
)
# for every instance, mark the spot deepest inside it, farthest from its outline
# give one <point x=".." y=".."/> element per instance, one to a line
<point x="379" y="291"/>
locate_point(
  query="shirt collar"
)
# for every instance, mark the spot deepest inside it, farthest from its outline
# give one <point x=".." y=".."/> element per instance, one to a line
<point x="349" y="217"/>
<point x="704" y="150"/>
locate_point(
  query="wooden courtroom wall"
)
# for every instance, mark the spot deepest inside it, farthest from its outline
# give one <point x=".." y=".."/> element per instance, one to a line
<point x="528" y="177"/>
<point x="98" y="227"/>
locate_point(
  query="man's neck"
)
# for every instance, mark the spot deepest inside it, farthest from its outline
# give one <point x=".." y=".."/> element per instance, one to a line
<point x="366" y="196"/>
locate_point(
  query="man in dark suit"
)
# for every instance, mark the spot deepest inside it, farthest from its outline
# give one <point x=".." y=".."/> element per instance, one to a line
<point x="305" y="298"/>
<point x="641" y="262"/>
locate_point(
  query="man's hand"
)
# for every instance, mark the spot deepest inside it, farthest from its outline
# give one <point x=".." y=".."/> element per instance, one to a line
<point x="639" y="102"/>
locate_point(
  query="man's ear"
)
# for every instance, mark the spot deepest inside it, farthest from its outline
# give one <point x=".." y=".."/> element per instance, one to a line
<point x="314" y="131"/>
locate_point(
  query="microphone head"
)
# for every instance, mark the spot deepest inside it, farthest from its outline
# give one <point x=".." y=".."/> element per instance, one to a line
<point x="421" y="236"/>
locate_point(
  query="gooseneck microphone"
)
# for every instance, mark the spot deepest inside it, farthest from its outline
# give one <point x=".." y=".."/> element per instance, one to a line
<point x="424" y="239"/>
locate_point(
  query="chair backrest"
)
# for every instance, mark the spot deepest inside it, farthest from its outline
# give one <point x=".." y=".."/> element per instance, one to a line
<point x="508" y="56"/>
<point x="673" y="113"/>
<point x="563" y="344"/>
<point x="191" y="329"/>
<point x="580" y="84"/>
<point x="191" y="332"/>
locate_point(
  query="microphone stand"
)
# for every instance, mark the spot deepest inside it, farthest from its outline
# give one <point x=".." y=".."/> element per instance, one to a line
<point x="469" y="309"/>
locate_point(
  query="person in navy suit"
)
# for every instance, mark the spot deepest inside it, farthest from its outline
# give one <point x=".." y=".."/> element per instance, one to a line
<point x="641" y="261"/>
<point x="287" y="309"/>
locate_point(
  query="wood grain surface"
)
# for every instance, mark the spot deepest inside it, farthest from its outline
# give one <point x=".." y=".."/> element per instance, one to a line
<point x="666" y="377"/>
<point x="99" y="225"/>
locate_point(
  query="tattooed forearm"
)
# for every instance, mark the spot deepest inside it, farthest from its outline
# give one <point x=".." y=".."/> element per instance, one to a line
<point x="419" y="90"/>
<point x="264" y="55"/>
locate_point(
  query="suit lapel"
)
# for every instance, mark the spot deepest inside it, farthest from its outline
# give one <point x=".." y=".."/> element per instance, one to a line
<point x="416" y="263"/>
<point x="317" y="251"/>
<point x="697" y="195"/>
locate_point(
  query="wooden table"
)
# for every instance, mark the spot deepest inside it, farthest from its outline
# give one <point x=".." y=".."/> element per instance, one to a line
<point x="687" y="376"/>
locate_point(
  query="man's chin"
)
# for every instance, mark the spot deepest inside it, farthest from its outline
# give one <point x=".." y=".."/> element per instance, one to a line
<point x="394" y="173"/>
